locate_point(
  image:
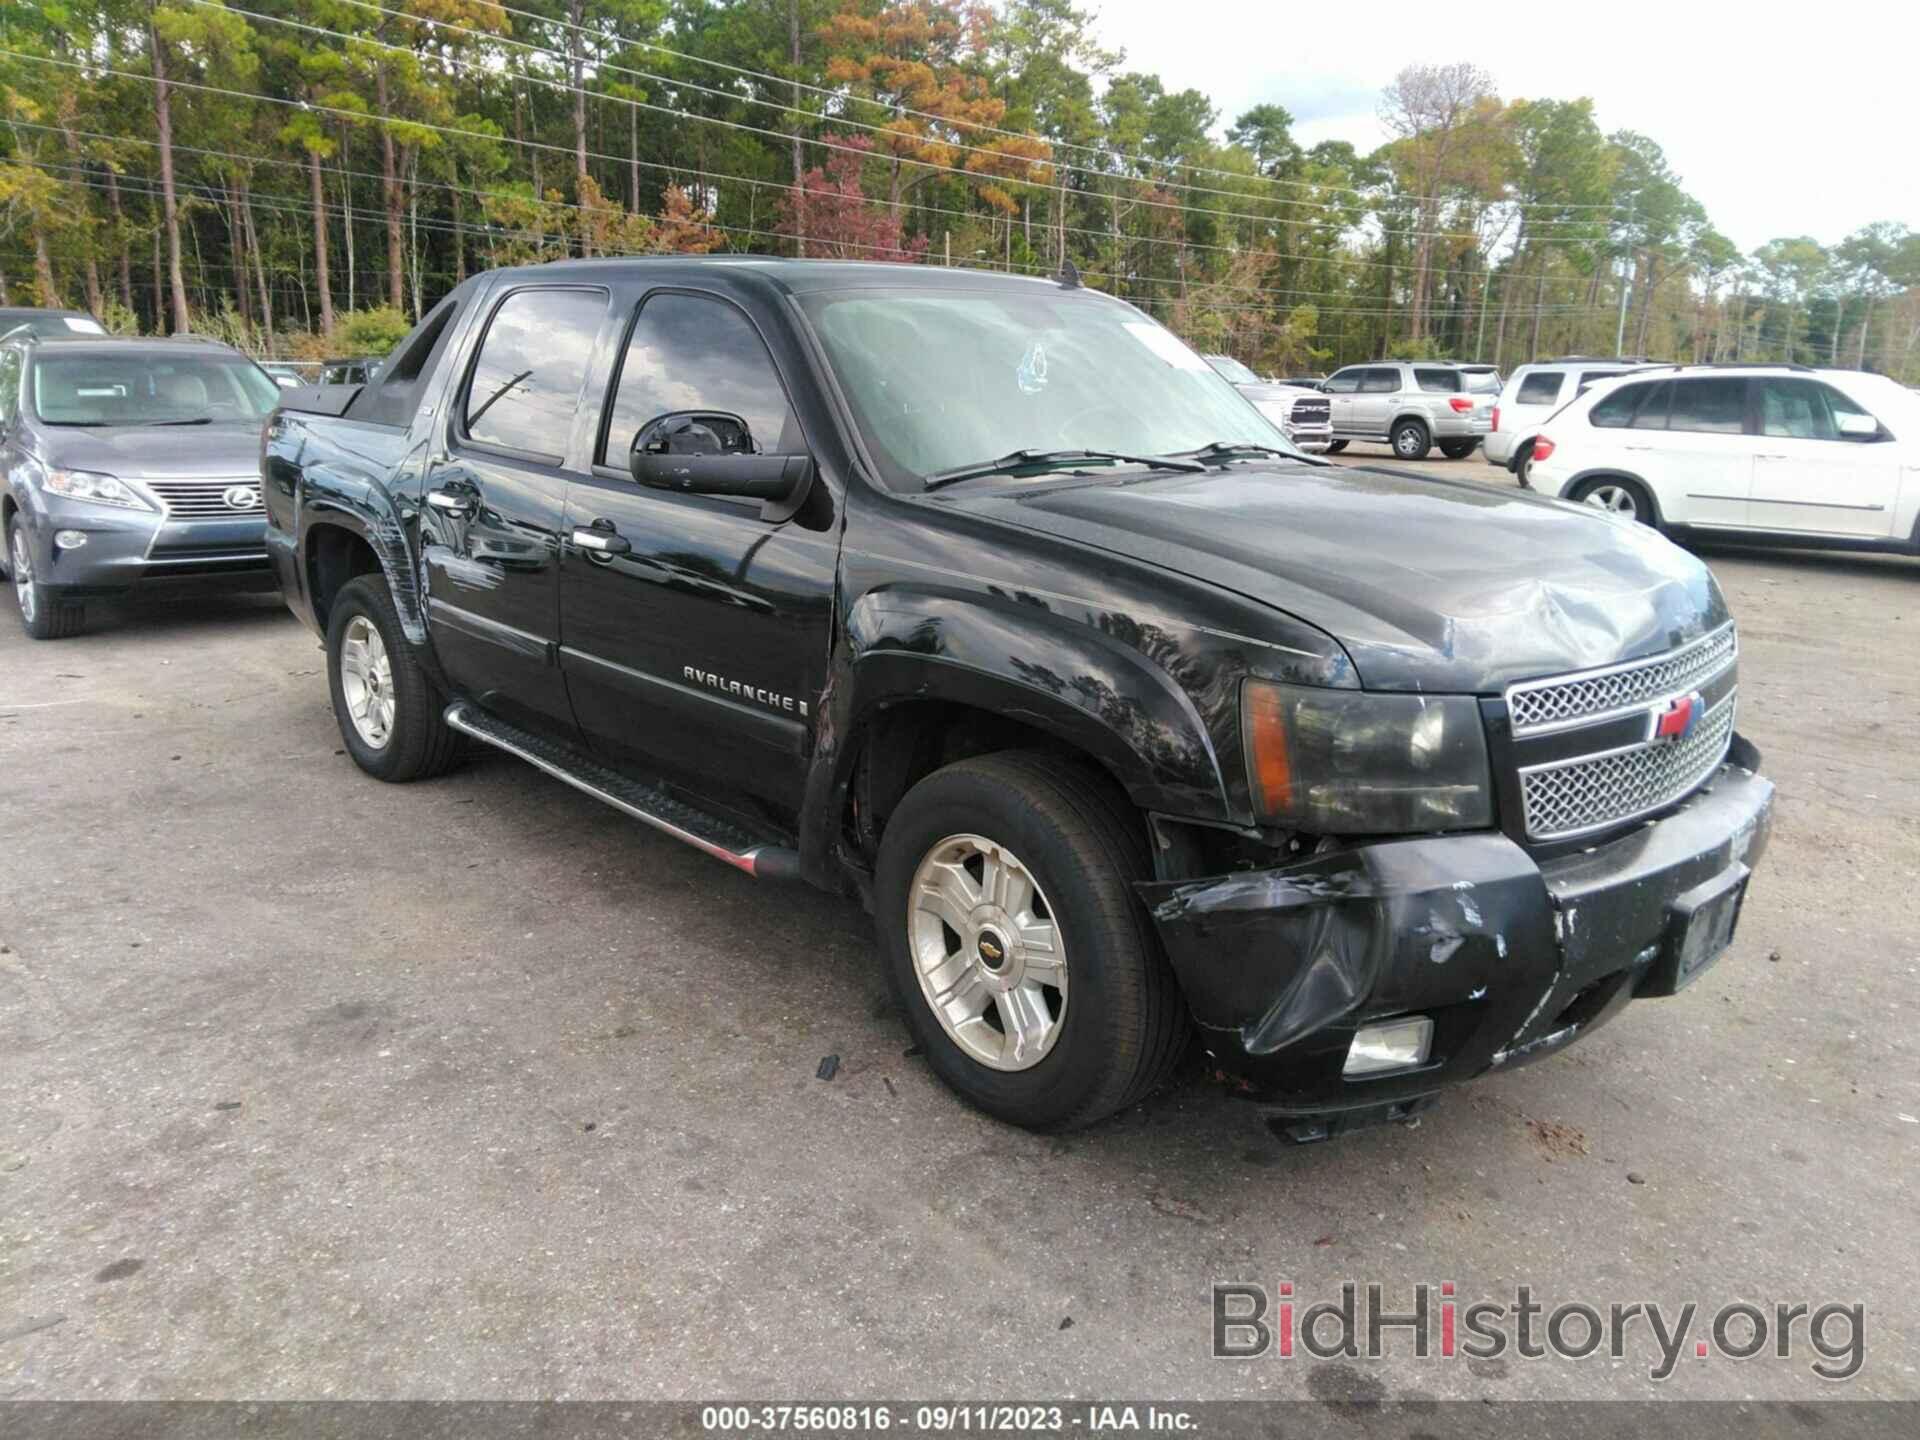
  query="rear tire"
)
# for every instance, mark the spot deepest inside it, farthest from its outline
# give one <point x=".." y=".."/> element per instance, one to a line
<point x="43" y="614"/>
<point x="387" y="709"/>
<point x="1411" y="440"/>
<point x="1334" y="447"/>
<point x="1458" y="449"/>
<point x="1619" y="496"/>
<point x="995" y="875"/>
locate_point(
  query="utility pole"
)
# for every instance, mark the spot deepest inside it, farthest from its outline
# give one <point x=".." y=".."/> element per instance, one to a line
<point x="1620" y="330"/>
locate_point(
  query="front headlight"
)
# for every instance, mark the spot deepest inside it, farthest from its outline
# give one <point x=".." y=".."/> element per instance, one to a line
<point x="96" y="488"/>
<point x="1278" y="412"/>
<point x="1347" y="762"/>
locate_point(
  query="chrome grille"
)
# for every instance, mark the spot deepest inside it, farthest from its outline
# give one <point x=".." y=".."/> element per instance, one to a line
<point x="1536" y="705"/>
<point x="1312" y="412"/>
<point x="206" y="499"/>
<point x="1572" y="797"/>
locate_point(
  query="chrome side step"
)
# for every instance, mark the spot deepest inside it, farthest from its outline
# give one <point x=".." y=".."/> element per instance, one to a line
<point x="648" y="804"/>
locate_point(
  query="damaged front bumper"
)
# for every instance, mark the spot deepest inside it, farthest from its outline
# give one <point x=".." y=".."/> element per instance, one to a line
<point x="1510" y="956"/>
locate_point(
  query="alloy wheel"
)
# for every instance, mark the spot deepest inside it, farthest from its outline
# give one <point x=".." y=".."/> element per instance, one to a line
<point x="23" y="587"/>
<point x="366" y="681"/>
<point x="1615" y="498"/>
<point x="988" y="952"/>
<point x="1407" y="442"/>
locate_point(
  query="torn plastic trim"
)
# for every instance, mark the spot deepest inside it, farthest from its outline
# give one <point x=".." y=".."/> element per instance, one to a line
<point x="1273" y="956"/>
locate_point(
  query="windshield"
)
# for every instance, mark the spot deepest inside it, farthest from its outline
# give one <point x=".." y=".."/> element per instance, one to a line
<point x="116" y="387"/>
<point x="943" y="379"/>
<point x="1234" y="371"/>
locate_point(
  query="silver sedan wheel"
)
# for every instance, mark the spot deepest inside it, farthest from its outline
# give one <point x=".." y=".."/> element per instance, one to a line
<point x="366" y="681"/>
<point x="990" y="957"/>
<point x="1616" y="498"/>
<point x="23" y="589"/>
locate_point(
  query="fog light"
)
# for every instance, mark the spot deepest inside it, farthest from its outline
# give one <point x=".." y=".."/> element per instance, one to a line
<point x="1392" y="1045"/>
<point x="69" y="539"/>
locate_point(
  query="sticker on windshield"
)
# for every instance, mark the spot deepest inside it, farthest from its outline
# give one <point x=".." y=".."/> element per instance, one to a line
<point x="1166" y="345"/>
<point x="1032" y="373"/>
<point x="85" y="327"/>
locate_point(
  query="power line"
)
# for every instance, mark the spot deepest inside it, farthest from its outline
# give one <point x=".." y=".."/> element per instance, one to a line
<point x="565" y="87"/>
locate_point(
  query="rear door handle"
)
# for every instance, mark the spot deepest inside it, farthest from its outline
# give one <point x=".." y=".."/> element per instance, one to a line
<point x="601" y="538"/>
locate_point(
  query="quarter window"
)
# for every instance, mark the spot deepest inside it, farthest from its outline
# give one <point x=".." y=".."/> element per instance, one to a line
<point x="1716" y="407"/>
<point x="1540" y="388"/>
<point x="9" y="385"/>
<point x="1438" y="382"/>
<point x="692" y="352"/>
<point x="527" y="379"/>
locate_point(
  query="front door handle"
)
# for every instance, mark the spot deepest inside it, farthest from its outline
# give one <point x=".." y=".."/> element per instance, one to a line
<point x="601" y="538"/>
<point x="454" y="500"/>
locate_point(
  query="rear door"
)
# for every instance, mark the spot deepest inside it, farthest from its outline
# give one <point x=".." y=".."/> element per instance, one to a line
<point x="1811" y="475"/>
<point x="496" y="503"/>
<point x="698" y="647"/>
<point x="1692" y="447"/>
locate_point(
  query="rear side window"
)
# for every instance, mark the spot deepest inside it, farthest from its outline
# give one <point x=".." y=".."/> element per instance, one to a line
<point x="1380" y="382"/>
<point x="692" y="352"/>
<point x="1540" y="388"/>
<point x="1344" y="382"/>
<point x="1620" y="409"/>
<point x="392" y="399"/>
<point x="527" y="377"/>
<point x="1715" y="407"/>
<point x="9" y="385"/>
<point x="1438" y="382"/>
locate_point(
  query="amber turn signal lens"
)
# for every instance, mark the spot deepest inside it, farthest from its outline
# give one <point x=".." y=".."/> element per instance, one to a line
<point x="1268" y="761"/>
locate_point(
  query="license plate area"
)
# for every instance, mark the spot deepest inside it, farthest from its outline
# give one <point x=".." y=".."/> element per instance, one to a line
<point x="1700" y="927"/>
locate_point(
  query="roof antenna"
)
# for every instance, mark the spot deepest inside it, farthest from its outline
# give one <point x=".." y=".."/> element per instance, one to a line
<point x="1068" y="277"/>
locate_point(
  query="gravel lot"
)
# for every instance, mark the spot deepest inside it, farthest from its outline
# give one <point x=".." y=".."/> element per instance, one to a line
<point x="318" y="1087"/>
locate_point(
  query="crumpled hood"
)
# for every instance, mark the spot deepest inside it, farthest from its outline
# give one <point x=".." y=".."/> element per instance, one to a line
<point x="158" y="452"/>
<point x="1431" y="585"/>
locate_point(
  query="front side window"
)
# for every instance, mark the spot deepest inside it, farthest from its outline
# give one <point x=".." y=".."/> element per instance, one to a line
<point x="1343" y="382"/>
<point x="531" y="366"/>
<point x="97" y="386"/>
<point x="1540" y="388"/>
<point x="942" y="378"/>
<point x="693" y="352"/>
<point x="1380" y="382"/>
<point x="1715" y="407"/>
<point x="1438" y="382"/>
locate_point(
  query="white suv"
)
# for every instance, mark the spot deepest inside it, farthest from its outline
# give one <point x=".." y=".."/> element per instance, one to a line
<point x="1532" y="393"/>
<point x="1820" y="458"/>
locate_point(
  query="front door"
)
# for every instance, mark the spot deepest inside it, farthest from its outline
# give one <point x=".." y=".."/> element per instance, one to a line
<point x="1376" y="401"/>
<point x="495" y="505"/>
<point x="694" y="630"/>
<point x="1812" y="475"/>
<point x="1340" y="389"/>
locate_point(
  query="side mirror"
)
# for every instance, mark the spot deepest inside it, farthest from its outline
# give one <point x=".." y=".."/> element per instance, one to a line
<point x="1859" y="427"/>
<point x="710" y="452"/>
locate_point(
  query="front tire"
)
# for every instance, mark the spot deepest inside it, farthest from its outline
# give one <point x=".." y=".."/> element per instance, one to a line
<point x="1029" y="972"/>
<point x="1334" y="447"/>
<point x="42" y="614"/>
<point x="1619" y="496"/>
<point x="388" y="712"/>
<point x="1410" y="440"/>
<point x="1457" y="449"/>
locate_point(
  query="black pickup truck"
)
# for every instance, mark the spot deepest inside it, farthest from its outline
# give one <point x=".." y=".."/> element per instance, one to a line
<point x="985" y="600"/>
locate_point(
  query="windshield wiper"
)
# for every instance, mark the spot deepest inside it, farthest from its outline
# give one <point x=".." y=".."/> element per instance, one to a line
<point x="1051" y="460"/>
<point x="196" y="420"/>
<point x="1227" y="449"/>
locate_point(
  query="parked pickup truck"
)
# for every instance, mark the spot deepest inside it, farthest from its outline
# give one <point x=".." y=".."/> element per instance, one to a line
<point x="985" y="600"/>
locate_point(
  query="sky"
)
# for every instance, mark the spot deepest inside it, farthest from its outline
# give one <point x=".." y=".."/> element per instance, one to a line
<point x="1781" y="120"/>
